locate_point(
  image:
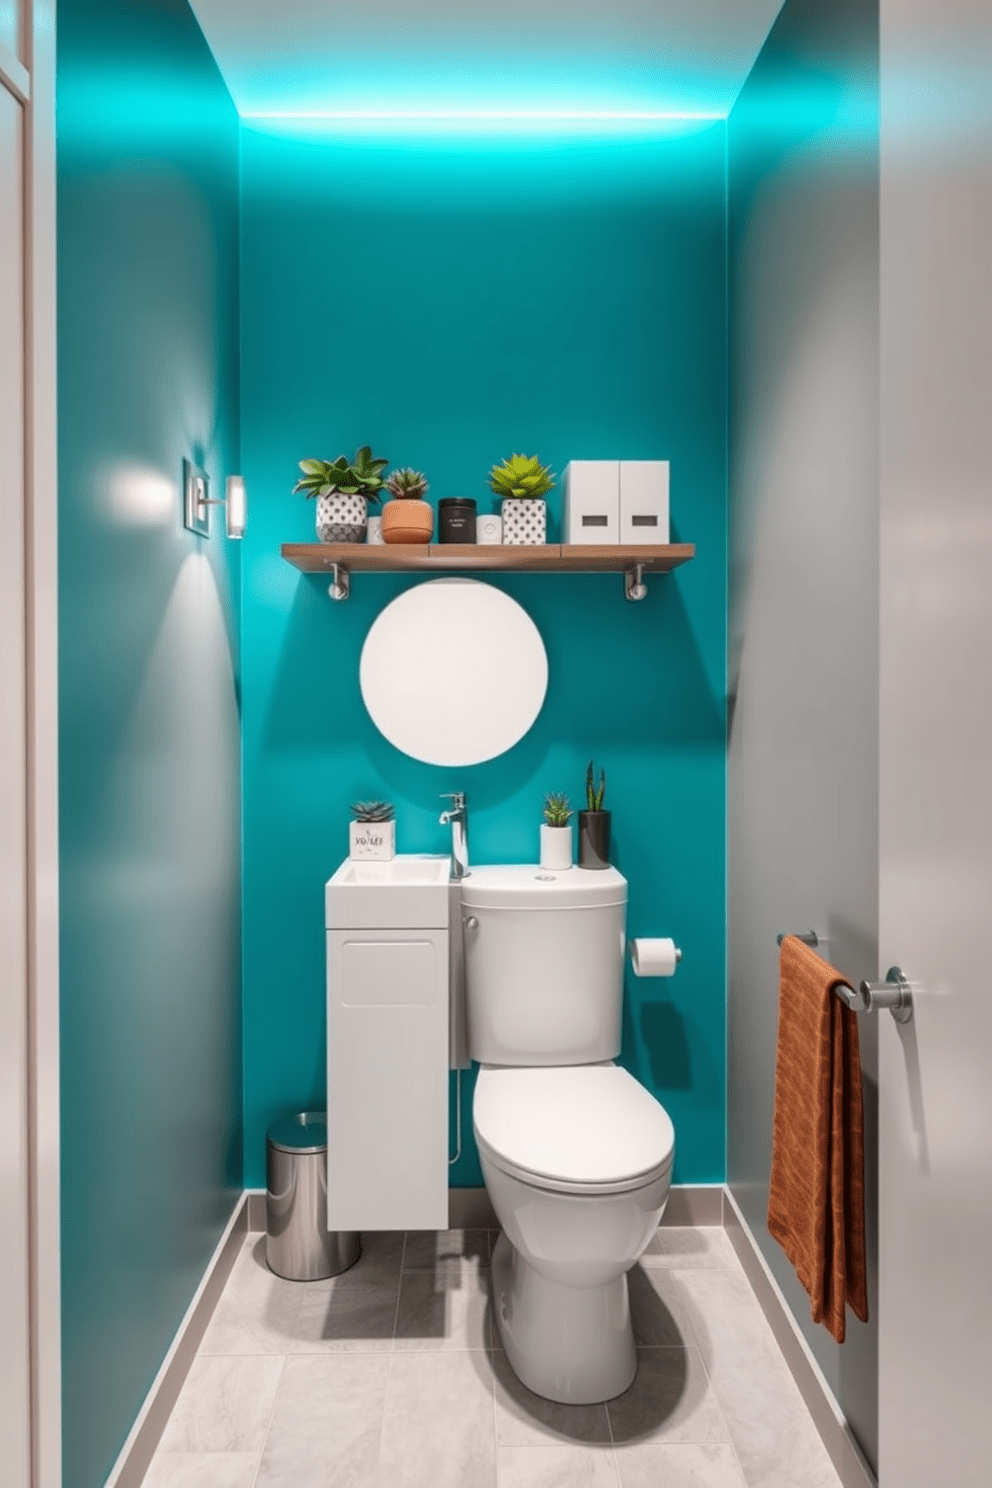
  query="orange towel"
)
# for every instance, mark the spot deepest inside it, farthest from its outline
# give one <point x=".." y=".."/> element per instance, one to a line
<point x="816" y="1203"/>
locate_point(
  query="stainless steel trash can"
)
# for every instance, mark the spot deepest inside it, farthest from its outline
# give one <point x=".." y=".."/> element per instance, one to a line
<point x="298" y="1244"/>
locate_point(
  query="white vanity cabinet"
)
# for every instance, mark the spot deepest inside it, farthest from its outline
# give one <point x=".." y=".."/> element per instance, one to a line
<point x="387" y="1045"/>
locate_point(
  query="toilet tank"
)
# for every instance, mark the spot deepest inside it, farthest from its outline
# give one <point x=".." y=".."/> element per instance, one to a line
<point x="544" y="957"/>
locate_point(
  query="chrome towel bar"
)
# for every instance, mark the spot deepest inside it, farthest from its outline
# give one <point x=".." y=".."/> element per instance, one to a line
<point x="871" y="997"/>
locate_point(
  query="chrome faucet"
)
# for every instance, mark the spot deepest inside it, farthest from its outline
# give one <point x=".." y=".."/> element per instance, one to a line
<point x="457" y="817"/>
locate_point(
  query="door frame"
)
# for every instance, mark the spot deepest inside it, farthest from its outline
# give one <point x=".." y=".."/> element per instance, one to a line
<point x="31" y="78"/>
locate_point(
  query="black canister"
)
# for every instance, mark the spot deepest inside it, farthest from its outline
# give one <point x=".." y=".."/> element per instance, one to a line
<point x="456" y="519"/>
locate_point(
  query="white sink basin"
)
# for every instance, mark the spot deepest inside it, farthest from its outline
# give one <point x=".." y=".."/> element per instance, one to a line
<point x="408" y="892"/>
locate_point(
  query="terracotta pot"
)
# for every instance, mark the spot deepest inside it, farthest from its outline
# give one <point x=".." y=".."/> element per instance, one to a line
<point x="406" y="521"/>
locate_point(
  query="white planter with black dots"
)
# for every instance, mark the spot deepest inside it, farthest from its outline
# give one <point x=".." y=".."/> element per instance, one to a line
<point x="525" y="521"/>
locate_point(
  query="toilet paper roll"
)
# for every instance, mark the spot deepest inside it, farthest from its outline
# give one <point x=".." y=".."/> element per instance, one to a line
<point x="654" y="957"/>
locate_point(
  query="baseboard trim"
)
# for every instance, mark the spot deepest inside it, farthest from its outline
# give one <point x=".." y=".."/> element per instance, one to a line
<point x="470" y="1209"/>
<point x="847" y="1457"/>
<point x="694" y="1204"/>
<point x="256" y="1210"/>
<point x="136" y="1454"/>
<point x="688" y="1204"/>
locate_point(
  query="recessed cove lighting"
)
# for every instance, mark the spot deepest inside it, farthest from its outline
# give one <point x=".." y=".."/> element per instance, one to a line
<point x="481" y="123"/>
<point x="493" y="115"/>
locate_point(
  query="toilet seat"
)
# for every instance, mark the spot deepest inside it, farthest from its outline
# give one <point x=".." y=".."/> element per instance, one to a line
<point x="579" y="1129"/>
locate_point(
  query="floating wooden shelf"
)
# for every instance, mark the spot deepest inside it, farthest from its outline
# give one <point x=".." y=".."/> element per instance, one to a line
<point x="340" y="559"/>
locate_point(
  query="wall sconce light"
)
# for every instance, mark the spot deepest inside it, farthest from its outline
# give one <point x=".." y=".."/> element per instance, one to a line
<point x="197" y="498"/>
<point x="236" y="506"/>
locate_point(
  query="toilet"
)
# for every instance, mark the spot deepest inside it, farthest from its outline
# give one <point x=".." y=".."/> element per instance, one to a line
<point x="576" y="1154"/>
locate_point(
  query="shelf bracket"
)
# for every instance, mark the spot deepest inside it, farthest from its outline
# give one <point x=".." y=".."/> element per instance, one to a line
<point x="634" y="587"/>
<point x="340" y="585"/>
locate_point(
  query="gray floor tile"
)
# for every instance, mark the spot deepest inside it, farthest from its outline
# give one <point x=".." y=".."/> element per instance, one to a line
<point x="201" y="1470"/>
<point x="671" y="1400"/>
<point x="350" y="1407"/>
<point x="557" y="1466"/>
<point x="524" y="1419"/>
<point x="705" y="1248"/>
<point x="358" y="1316"/>
<point x="437" y="1429"/>
<point x="224" y="1405"/>
<point x="657" y="1309"/>
<point x="326" y="1423"/>
<point x="777" y="1444"/>
<point x="445" y="1306"/>
<point x="424" y="1248"/>
<point x="382" y="1254"/>
<point x="700" y="1465"/>
<point x="257" y="1311"/>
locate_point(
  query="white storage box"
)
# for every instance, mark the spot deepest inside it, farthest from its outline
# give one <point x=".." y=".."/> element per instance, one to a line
<point x="643" y="502"/>
<point x="591" y="502"/>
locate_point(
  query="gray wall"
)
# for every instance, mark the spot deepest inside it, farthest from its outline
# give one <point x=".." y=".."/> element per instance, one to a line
<point x="803" y="720"/>
<point x="148" y="699"/>
<point x="935" y="809"/>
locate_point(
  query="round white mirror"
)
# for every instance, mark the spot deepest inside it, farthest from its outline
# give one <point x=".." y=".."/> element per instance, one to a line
<point x="453" y="672"/>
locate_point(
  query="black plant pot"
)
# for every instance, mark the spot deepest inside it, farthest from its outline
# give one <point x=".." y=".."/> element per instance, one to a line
<point x="594" y="839"/>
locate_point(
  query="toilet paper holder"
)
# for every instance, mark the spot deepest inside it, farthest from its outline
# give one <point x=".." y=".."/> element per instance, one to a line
<point x="641" y="946"/>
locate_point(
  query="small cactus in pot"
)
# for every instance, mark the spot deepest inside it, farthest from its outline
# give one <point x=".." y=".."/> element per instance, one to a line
<point x="372" y="834"/>
<point x="408" y="518"/>
<point x="373" y="811"/>
<point x="343" y="491"/>
<point x="523" y="482"/>
<point x="594" y="823"/>
<point x="556" y="833"/>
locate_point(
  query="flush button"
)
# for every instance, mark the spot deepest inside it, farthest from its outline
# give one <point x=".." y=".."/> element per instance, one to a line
<point x="545" y="877"/>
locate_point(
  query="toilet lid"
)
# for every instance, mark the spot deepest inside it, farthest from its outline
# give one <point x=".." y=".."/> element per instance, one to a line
<point x="589" y="1125"/>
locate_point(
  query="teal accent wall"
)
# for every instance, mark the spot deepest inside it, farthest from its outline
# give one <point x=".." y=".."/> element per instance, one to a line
<point x="452" y="301"/>
<point x="149" y="699"/>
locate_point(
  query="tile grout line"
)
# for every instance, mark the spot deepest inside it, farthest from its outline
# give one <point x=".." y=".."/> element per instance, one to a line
<point x="492" y="1357"/>
<point x="396" y="1309"/>
<point x="492" y="1383"/>
<point x="268" y="1424"/>
<point x="613" y="1445"/>
<point x="684" y="1298"/>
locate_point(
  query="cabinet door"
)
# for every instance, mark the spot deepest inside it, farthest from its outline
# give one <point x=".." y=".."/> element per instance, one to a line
<point x="387" y="1079"/>
<point x="14" y="1356"/>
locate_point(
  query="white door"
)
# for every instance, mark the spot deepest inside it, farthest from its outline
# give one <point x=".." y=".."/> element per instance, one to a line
<point x="935" y="1076"/>
<point x="15" y="1390"/>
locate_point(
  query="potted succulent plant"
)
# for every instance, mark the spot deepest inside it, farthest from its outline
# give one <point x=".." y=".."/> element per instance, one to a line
<point x="343" y="492"/>
<point x="408" y="518"/>
<point x="594" y="824"/>
<point x="372" y="834"/>
<point x="556" y="834"/>
<point x="523" y="482"/>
